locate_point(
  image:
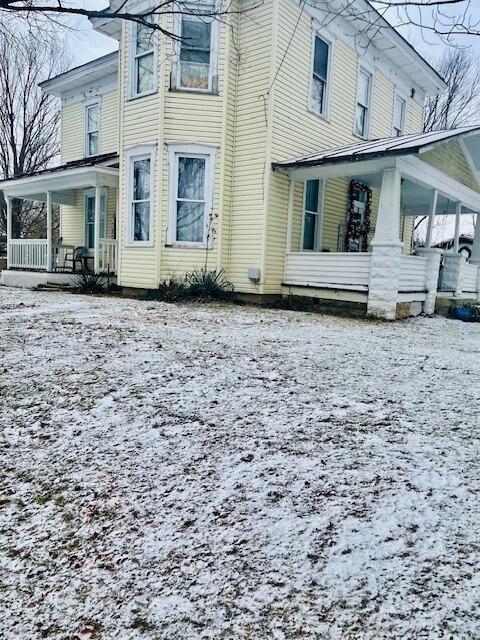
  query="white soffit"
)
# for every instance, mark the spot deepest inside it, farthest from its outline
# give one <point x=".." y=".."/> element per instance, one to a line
<point x="77" y="77"/>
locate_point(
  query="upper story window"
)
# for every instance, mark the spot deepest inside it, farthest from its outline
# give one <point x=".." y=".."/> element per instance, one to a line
<point x="364" y="97"/>
<point x="191" y="194"/>
<point x="320" y="76"/>
<point x="140" y="196"/>
<point x="196" y="67"/>
<point x="92" y="129"/>
<point x="312" y="215"/>
<point x="399" y="116"/>
<point x="143" y="60"/>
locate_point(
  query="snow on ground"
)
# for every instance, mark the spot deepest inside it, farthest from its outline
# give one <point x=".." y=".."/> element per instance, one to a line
<point x="219" y="472"/>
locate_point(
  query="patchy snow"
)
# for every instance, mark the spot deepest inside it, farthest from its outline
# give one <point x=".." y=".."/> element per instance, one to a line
<point x="218" y="472"/>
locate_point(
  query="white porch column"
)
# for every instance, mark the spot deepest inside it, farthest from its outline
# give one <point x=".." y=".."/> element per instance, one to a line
<point x="456" y="237"/>
<point x="291" y="195"/>
<point x="386" y="250"/>
<point x="96" y="250"/>
<point x="431" y="277"/>
<point x="9" y="230"/>
<point x="49" y="232"/>
<point x="475" y="257"/>
<point x="431" y="219"/>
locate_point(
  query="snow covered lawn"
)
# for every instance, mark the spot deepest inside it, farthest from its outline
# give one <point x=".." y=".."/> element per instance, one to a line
<point x="216" y="472"/>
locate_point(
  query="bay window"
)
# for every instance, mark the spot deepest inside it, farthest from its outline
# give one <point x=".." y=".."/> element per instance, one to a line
<point x="143" y="60"/>
<point x="196" y="66"/>
<point x="190" y="189"/>
<point x="92" y="129"/>
<point x="320" y="76"/>
<point x="140" y="196"/>
<point x="364" y="96"/>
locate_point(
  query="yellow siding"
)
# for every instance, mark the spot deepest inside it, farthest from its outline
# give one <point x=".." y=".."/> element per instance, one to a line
<point x="450" y="159"/>
<point x="72" y="145"/>
<point x="72" y="218"/>
<point x="413" y="117"/>
<point x="382" y="107"/>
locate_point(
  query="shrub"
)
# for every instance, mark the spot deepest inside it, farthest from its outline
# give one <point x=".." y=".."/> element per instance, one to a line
<point x="169" y="291"/>
<point x="90" y="283"/>
<point x="203" y="284"/>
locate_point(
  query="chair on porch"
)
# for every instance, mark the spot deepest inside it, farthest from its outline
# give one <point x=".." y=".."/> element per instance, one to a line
<point x="77" y="256"/>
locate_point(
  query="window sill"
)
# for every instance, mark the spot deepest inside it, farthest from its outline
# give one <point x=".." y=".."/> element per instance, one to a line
<point x="323" y="116"/>
<point x="187" y="245"/>
<point x="203" y="92"/>
<point x="142" y="95"/>
<point x="139" y="245"/>
<point x="359" y="137"/>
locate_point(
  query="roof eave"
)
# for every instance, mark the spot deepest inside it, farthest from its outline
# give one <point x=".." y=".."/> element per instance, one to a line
<point x="77" y="76"/>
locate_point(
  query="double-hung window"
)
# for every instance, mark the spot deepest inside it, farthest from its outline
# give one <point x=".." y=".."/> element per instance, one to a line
<point x="143" y="54"/>
<point x="320" y="79"/>
<point x="140" y="196"/>
<point x="92" y="129"/>
<point x="196" y="67"/>
<point x="312" y="215"/>
<point x="399" y="116"/>
<point x="364" y="96"/>
<point x="191" y="188"/>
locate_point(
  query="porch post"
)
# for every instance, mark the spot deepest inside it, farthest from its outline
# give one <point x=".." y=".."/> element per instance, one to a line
<point x="291" y="195"/>
<point x="475" y="257"/>
<point x="96" y="249"/>
<point x="9" y="231"/>
<point x="49" y="232"/>
<point x="431" y="219"/>
<point x="456" y="237"/>
<point x="386" y="250"/>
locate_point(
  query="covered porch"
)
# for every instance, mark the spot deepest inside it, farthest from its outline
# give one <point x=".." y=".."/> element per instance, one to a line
<point x="86" y="191"/>
<point x="375" y="267"/>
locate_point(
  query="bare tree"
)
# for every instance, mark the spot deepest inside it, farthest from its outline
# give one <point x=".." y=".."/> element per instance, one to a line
<point x="29" y="131"/>
<point x="459" y="105"/>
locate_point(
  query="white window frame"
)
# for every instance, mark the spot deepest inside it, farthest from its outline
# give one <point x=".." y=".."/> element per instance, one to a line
<point x="88" y="105"/>
<point x="91" y="193"/>
<point x="325" y="114"/>
<point x="362" y="68"/>
<point x="140" y="152"/>
<point x="319" y="213"/>
<point x="190" y="150"/>
<point x="132" y="72"/>
<point x="399" y="96"/>
<point x="214" y="36"/>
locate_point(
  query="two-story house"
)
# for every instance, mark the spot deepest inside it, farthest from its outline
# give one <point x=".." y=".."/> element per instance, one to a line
<point x="280" y="144"/>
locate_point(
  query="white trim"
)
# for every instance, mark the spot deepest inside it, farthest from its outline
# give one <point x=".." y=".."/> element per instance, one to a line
<point x="399" y="95"/>
<point x="214" y="38"/>
<point x="193" y="150"/>
<point x="139" y="152"/>
<point x="368" y="71"/>
<point x="132" y="76"/>
<point x="330" y="42"/>
<point x="93" y="102"/>
<point x="91" y="193"/>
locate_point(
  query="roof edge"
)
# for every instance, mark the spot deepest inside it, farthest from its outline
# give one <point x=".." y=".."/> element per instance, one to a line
<point x="78" y="73"/>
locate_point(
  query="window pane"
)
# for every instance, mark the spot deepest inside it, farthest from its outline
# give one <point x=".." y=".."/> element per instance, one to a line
<point x="361" y="120"/>
<point x="196" y="34"/>
<point x="318" y="95"/>
<point x="92" y="144"/>
<point x="190" y="221"/>
<point x="194" y="75"/>
<point x="311" y="198"/>
<point x="309" y="230"/>
<point x="145" y="37"/>
<point x="92" y="118"/>
<point x="363" y="88"/>
<point x="141" y="179"/>
<point x="320" y="63"/>
<point x="141" y="221"/>
<point x="399" y="114"/>
<point x="191" y="178"/>
<point x="145" y="73"/>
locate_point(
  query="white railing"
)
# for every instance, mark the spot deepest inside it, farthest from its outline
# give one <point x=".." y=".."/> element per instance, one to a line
<point x="108" y="256"/>
<point x="27" y="254"/>
<point x="331" y="270"/>
<point x="413" y="273"/>
<point x="469" y="277"/>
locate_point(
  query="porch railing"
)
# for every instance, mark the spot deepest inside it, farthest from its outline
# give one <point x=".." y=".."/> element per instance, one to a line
<point x="108" y="256"/>
<point x="341" y="270"/>
<point x="413" y="273"/>
<point x="28" y="254"/>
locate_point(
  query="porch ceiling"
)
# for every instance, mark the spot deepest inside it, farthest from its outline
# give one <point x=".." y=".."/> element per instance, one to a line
<point x="61" y="182"/>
